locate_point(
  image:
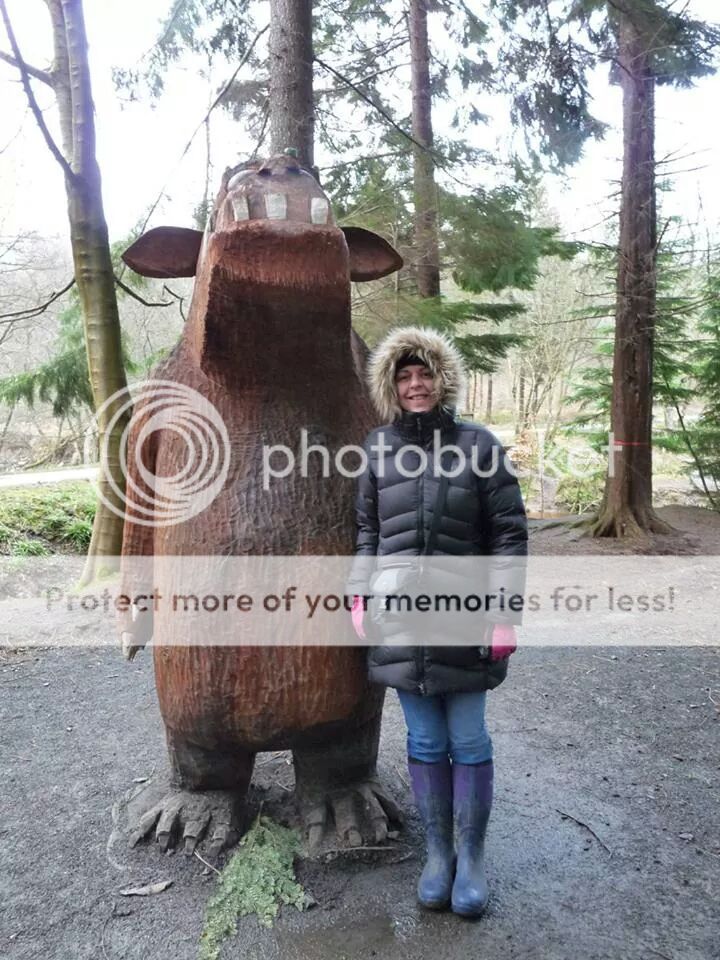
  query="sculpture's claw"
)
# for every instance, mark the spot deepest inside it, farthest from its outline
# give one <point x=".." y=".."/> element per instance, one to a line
<point x="168" y="823"/>
<point x="362" y="812"/>
<point x="375" y="813"/>
<point x="145" y="824"/>
<point x="195" y="829"/>
<point x="315" y="819"/>
<point x="188" y="816"/>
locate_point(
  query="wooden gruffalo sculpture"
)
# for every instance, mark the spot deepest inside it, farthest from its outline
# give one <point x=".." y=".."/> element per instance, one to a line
<point x="268" y="341"/>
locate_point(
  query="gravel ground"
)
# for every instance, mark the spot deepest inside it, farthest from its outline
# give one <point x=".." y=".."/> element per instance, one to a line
<point x="605" y="840"/>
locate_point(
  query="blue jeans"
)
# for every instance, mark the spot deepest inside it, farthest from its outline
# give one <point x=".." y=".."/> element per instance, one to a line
<point x="452" y="725"/>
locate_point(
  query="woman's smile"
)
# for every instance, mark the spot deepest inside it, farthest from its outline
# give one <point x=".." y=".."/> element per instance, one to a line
<point x="415" y="388"/>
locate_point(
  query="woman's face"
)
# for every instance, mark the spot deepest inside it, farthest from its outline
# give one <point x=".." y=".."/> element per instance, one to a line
<point x="415" y="388"/>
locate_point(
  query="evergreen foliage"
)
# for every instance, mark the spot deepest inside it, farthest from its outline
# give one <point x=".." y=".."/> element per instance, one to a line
<point x="63" y="380"/>
<point x="551" y="48"/>
<point x="686" y="366"/>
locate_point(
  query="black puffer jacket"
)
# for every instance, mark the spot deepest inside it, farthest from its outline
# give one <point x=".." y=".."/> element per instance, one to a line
<point x="483" y="516"/>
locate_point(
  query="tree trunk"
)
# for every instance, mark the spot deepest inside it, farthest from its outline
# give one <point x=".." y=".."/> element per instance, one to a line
<point x="93" y="269"/>
<point x="489" y="400"/>
<point x="473" y="394"/>
<point x="627" y="503"/>
<point x="292" y="115"/>
<point x="521" y="399"/>
<point x="427" y="256"/>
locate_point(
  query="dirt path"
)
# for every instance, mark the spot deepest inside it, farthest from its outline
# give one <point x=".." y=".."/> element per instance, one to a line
<point x="604" y="844"/>
<point x="35" y="478"/>
<point x="628" y="747"/>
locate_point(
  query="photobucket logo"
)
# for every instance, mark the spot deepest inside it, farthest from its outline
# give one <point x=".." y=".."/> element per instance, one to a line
<point x="201" y="440"/>
<point x="409" y="460"/>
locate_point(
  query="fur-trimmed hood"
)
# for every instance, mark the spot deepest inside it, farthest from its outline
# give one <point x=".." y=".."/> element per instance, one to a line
<point x="434" y="349"/>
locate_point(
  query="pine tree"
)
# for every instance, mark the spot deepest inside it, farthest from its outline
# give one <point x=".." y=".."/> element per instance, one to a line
<point x="647" y="44"/>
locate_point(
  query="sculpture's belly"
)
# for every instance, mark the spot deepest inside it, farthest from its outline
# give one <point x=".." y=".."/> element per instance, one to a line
<point x="265" y="697"/>
<point x="260" y="698"/>
<point x="281" y="497"/>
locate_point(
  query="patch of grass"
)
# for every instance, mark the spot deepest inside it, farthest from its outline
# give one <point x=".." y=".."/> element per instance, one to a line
<point x="33" y="520"/>
<point x="28" y="548"/>
<point x="257" y="879"/>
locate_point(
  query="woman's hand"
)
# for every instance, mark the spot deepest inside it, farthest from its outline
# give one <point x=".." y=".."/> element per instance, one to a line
<point x="504" y="641"/>
<point x="357" y="614"/>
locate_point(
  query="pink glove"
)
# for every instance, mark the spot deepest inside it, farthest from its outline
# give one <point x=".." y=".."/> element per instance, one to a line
<point x="357" y="613"/>
<point x="504" y="641"/>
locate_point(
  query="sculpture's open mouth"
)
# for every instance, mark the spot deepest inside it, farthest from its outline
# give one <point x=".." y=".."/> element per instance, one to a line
<point x="253" y="205"/>
<point x="274" y="206"/>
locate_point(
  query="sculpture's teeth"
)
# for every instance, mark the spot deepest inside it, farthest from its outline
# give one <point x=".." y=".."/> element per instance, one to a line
<point x="276" y="206"/>
<point x="319" y="209"/>
<point x="241" y="211"/>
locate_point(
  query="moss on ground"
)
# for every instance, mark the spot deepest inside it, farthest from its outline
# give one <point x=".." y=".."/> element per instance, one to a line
<point x="34" y="521"/>
<point x="257" y="879"/>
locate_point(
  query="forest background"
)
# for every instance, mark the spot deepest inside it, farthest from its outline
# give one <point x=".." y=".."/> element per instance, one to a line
<point x="537" y="329"/>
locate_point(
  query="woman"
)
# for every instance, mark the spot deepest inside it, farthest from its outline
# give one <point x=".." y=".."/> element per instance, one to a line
<point x="415" y="375"/>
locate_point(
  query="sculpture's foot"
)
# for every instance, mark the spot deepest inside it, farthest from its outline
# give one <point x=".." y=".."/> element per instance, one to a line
<point x="184" y="818"/>
<point x="206" y="798"/>
<point x="362" y="812"/>
<point x="337" y="780"/>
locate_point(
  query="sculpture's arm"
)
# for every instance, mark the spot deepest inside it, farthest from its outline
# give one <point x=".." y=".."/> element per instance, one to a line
<point x="136" y="622"/>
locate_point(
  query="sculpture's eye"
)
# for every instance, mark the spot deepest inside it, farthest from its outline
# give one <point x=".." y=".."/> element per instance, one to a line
<point x="238" y="178"/>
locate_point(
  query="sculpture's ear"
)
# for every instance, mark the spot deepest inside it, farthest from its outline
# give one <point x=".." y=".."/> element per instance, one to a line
<point x="165" y="252"/>
<point x="371" y="257"/>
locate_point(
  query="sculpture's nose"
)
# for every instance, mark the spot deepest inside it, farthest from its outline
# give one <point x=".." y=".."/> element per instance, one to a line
<point x="278" y="190"/>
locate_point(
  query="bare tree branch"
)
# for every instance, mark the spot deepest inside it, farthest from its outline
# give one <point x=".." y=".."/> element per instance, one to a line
<point x="375" y="106"/>
<point x="216" y="101"/>
<point x="32" y="312"/>
<point x="146" y="303"/>
<point x="43" y="75"/>
<point x="440" y="160"/>
<point x="181" y="300"/>
<point x="25" y="75"/>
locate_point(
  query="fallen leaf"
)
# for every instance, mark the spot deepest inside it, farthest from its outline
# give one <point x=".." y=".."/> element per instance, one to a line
<point x="146" y="891"/>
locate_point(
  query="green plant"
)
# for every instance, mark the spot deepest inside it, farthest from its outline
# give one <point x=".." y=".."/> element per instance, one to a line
<point x="25" y="547"/>
<point x="583" y="493"/>
<point x="257" y="879"/>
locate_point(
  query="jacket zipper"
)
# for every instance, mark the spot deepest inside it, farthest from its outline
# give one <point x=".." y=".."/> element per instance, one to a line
<point x="421" y="495"/>
<point x="419" y="656"/>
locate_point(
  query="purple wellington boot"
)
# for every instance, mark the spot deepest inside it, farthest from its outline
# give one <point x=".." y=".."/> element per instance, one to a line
<point x="432" y="788"/>
<point x="472" y="800"/>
